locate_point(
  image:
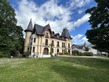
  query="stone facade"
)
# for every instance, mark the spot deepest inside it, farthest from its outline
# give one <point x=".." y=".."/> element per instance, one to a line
<point x="41" y="41"/>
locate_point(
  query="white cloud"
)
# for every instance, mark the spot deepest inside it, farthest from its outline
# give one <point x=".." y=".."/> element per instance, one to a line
<point x="81" y="20"/>
<point x="73" y="4"/>
<point x="84" y="39"/>
<point x="58" y="16"/>
<point x="79" y="39"/>
<point x="80" y="11"/>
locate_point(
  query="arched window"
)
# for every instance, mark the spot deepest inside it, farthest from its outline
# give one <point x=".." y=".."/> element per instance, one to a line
<point x="46" y="41"/>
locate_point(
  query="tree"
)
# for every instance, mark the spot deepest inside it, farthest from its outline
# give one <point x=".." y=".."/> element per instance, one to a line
<point x="51" y="49"/>
<point x="99" y="21"/>
<point x="11" y="37"/>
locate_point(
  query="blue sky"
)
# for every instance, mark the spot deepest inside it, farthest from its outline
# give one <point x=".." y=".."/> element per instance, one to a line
<point x="58" y="13"/>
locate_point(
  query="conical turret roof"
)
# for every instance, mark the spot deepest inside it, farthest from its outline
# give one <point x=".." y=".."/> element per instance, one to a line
<point x="30" y="27"/>
<point x="65" y="33"/>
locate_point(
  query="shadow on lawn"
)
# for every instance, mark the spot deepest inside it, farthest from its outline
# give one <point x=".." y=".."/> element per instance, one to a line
<point x="72" y="73"/>
<point x="96" y="63"/>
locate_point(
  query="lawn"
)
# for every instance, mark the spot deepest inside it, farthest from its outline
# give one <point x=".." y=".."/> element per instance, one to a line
<point x="60" y="69"/>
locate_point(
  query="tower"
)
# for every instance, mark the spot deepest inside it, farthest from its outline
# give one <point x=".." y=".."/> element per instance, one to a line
<point x="28" y="32"/>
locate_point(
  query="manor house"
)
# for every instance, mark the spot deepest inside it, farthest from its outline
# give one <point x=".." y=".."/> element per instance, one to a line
<point x="41" y="41"/>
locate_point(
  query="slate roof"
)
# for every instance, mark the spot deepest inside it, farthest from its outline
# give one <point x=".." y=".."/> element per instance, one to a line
<point x="30" y="27"/>
<point x="65" y="33"/>
<point x="39" y="30"/>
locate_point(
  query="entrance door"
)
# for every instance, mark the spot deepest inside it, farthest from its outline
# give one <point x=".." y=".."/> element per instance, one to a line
<point x="46" y="51"/>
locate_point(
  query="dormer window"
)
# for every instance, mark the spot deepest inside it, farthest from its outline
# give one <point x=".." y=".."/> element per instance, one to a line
<point x="46" y="36"/>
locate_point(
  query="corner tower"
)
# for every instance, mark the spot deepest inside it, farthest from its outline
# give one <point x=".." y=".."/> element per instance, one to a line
<point x="28" y="32"/>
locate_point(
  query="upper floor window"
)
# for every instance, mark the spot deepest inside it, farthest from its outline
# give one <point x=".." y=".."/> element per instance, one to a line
<point x="46" y="36"/>
<point x="46" y="41"/>
<point x="57" y="44"/>
<point x="68" y="45"/>
<point x="63" y="44"/>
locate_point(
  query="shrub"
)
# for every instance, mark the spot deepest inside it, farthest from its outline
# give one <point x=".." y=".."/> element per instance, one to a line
<point x="88" y="54"/>
<point x="75" y="52"/>
<point x="60" y="53"/>
<point x="66" y="53"/>
<point x="26" y="54"/>
<point x="4" y="54"/>
<point x="80" y="54"/>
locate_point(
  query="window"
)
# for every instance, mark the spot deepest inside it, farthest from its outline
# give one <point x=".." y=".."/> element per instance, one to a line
<point x="46" y="36"/>
<point x="34" y="39"/>
<point x="46" y="41"/>
<point x="52" y="42"/>
<point x="57" y="44"/>
<point x="63" y="44"/>
<point x="33" y="49"/>
<point x="68" y="45"/>
<point x="57" y="50"/>
<point x="28" y="48"/>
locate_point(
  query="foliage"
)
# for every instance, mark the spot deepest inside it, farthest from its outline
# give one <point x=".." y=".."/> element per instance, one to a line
<point x="75" y="52"/>
<point x="99" y="20"/>
<point x="66" y="53"/>
<point x="88" y="54"/>
<point x="61" y="53"/>
<point x="51" y="49"/>
<point x="27" y="53"/>
<point x="11" y="36"/>
<point x="86" y="49"/>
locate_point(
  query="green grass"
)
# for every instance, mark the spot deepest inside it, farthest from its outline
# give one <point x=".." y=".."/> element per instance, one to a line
<point x="61" y="69"/>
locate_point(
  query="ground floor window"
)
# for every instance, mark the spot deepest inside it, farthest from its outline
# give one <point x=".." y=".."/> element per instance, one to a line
<point x="68" y="51"/>
<point x="33" y="49"/>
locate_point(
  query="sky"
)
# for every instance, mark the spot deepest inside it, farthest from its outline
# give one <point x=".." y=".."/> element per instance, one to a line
<point x="59" y="14"/>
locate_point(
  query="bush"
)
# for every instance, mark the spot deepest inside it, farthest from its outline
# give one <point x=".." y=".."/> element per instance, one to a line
<point x="60" y="53"/>
<point x="66" y="53"/>
<point x="81" y="54"/>
<point x="4" y="54"/>
<point x="26" y="54"/>
<point x="75" y="52"/>
<point x="88" y="54"/>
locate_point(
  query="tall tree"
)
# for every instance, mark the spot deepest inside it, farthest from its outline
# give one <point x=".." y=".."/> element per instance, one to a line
<point x="99" y="21"/>
<point x="10" y="33"/>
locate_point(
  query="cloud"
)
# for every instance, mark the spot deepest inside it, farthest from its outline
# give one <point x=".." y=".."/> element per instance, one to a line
<point x="73" y="4"/>
<point x="81" y="20"/>
<point x="79" y="39"/>
<point x="80" y="11"/>
<point x="84" y="39"/>
<point x="58" y="16"/>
